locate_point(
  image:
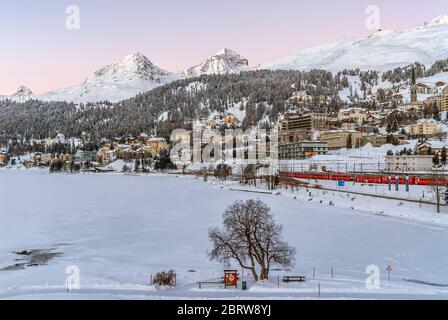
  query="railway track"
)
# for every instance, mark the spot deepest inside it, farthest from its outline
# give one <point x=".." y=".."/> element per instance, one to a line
<point x="414" y="179"/>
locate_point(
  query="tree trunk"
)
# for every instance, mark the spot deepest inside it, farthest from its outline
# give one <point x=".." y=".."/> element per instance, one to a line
<point x="438" y="197"/>
<point x="254" y="274"/>
<point x="264" y="273"/>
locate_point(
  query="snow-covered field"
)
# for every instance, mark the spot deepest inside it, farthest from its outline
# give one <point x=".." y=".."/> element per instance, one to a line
<point x="120" y="229"/>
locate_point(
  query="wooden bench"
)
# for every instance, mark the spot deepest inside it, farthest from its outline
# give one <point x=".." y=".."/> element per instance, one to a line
<point x="209" y="282"/>
<point x="294" y="279"/>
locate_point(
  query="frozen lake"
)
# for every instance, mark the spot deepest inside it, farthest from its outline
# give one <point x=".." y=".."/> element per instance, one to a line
<point x="121" y="229"/>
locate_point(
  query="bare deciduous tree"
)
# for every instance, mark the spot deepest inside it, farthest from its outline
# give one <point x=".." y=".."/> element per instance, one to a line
<point x="252" y="238"/>
<point x="439" y="187"/>
<point x="250" y="173"/>
<point x="223" y="171"/>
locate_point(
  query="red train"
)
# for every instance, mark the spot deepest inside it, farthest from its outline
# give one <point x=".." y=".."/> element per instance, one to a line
<point x="367" y="178"/>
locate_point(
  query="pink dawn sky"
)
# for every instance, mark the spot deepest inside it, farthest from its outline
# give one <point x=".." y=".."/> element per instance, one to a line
<point x="38" y="51"/>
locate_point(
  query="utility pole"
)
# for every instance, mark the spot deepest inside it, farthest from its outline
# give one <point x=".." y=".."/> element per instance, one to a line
<point x="437" y="186"/>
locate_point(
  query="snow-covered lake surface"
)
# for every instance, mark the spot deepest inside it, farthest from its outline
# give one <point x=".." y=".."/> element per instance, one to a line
<point x="121" y="229"/>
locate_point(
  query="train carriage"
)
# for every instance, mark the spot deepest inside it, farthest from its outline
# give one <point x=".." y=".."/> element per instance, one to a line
<point x="368" y="178"/>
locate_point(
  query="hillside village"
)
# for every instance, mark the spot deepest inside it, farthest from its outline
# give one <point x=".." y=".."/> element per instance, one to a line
<point x="306" y="134"/>
<point x="416" y="126"/>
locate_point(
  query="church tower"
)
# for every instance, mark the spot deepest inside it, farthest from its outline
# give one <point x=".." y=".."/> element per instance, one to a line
<point x="413" y="88"/>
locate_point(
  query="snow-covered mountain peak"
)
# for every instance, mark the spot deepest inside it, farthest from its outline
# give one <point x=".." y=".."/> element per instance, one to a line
<point x="22" y="94"/>
<point x="134" y="66"/>
<point x="23" y="90"/>
<point x="120" y="80"/>
<point x="384" y="50"/>
<point x="226" y="52"/>
<point x="440" y="20"/>
<point x="223" y="62"/>
<point x="135" y="56"/>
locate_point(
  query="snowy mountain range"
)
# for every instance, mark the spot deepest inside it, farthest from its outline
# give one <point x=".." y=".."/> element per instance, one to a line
<point x="225" y="61"/>
<point x="132" y="75"/>
<point x="382" y="50"/>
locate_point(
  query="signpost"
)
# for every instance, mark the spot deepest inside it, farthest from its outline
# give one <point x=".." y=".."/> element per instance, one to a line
<point x="341" y="183"/>
<point x="389" y="270"/>
<point x="230" y="278"/>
